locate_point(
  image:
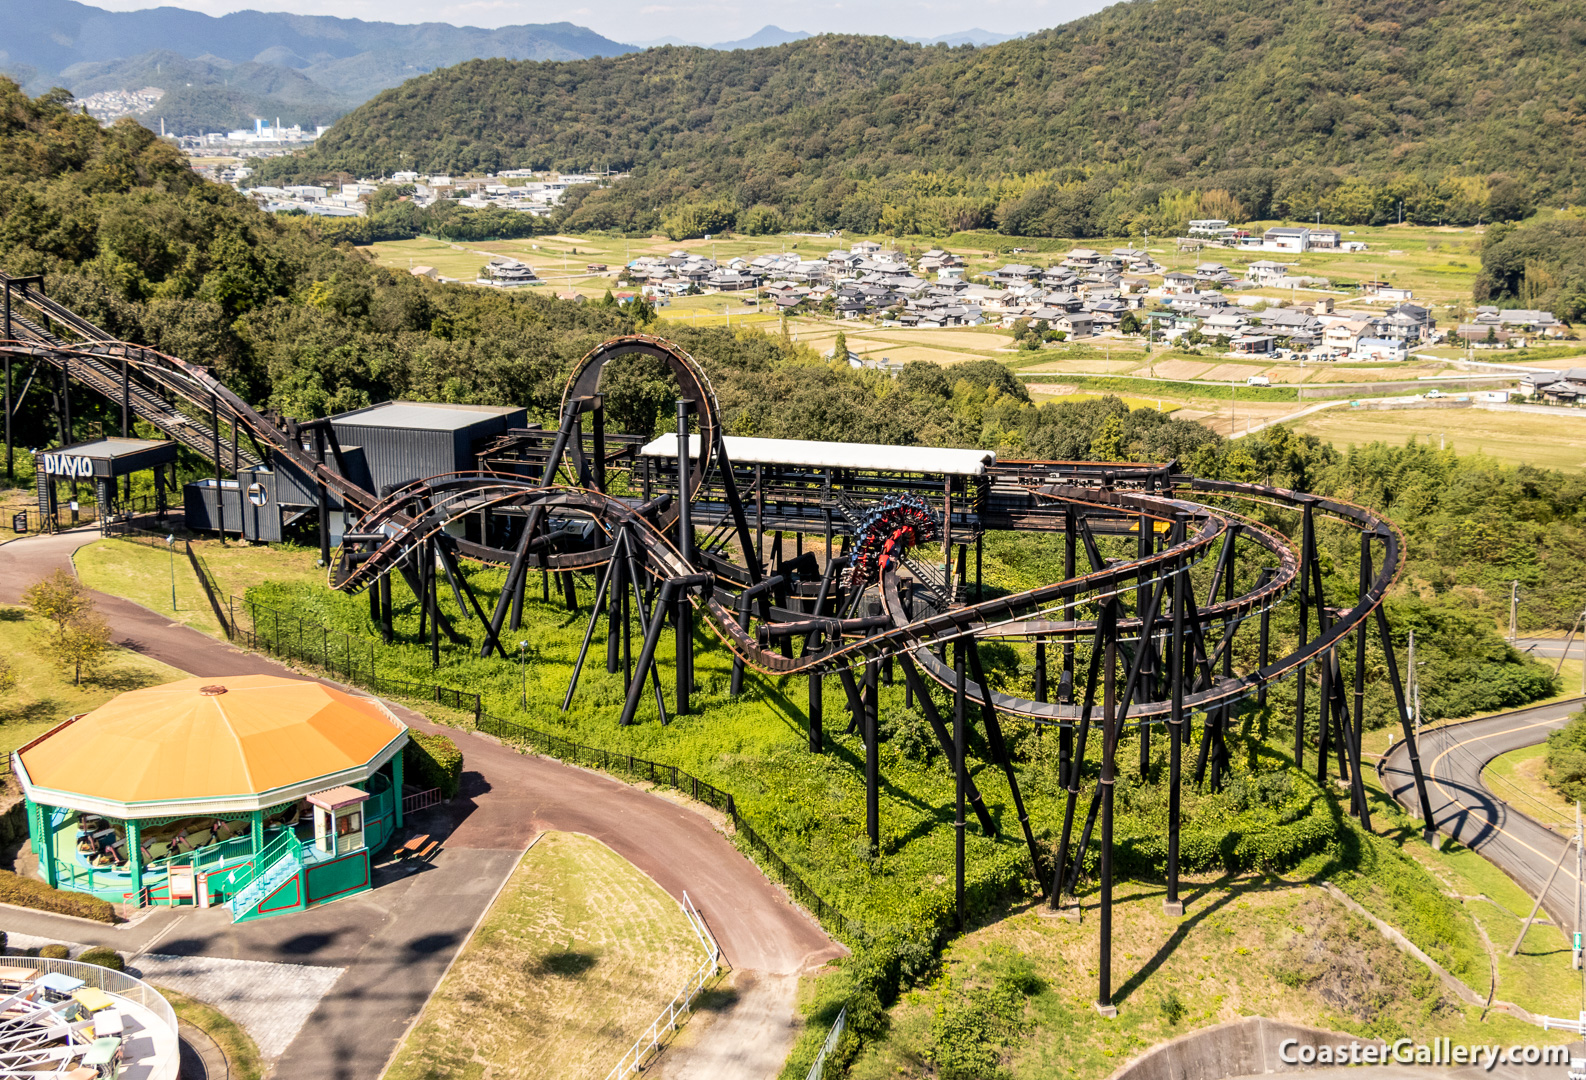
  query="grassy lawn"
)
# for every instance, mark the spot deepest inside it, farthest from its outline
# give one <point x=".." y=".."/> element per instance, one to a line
<point x="143" y="573"/>
<point x="45" y="695"/>
<point x="577" y="956"/>
<point x="241" y="1054"/>
<point x="1518" y="777"/>
<point x="1248" y="946"/>
<point x="1512" y="438"/>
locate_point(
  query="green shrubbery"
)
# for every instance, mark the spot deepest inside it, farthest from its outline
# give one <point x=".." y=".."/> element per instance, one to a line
<point x="432" y="761"/>
<point x="26" y="892"/>
<point x="1566" y="758"/>
<point x="54" y="952"/>
<point x="103" y="956"/>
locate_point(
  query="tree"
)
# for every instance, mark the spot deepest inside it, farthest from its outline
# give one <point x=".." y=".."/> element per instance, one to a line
<point x="1108" y="443"/>
<point x="8" y="676"/>
<point x="58" y="598"/>
<point x="840" y="347"/>
<point x="81" y="645"/>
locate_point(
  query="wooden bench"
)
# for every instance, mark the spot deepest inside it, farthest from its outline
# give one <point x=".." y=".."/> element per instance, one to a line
<point x="429" y="849"/>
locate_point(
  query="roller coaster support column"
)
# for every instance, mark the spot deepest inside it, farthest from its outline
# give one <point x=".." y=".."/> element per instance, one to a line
<point x="1059" y="879"/>
<point x="922" y="694"/>
<point x="960" y="774"/>
<point x="1265" y="645"/>
<point x="815" y="710"/>
<point x="385" y="608"/>
<point x="612" y="572"/>
<point x="1307" y="556"/>
<point x="872" y="737"/>
<point x="684" y="617"/>
<point x="1356" y="783"/>
<point x="758" y="590"/>
<point x="980" y="588"/>
<point x="220" y="495"/>
<point x="1109" y="752"/>
<point x="947" y="537"/>
<point x="1175" y="732"/>
<point x="1065" y="686"/>
<point x="740" y="521"/>
<point x="614" y="606"/>
<point x="433" y="598"/>
<point x="999" y="754"/>
<point x="665" y="595"/>
<point x="1146" y="645"/>
<point x="1428" y="827"/>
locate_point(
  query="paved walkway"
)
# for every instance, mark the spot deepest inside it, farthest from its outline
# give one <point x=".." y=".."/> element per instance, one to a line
<point x="396" y="940"/>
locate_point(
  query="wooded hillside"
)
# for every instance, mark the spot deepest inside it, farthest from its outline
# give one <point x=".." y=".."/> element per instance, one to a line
<point x="1129" y="118"/>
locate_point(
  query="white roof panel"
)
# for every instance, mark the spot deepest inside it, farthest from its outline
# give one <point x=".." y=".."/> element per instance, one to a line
<point x="836" y="455"/>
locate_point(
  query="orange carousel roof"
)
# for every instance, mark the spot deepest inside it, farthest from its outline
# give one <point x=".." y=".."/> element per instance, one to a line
<point x="213" y="737"/>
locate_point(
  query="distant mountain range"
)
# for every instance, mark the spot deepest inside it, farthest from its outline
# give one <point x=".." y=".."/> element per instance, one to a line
<point x="769" y="36"/>
<point x="222" y="72"/>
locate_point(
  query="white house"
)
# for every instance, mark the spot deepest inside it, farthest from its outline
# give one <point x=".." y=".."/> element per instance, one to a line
<point x="1286" y="238"/>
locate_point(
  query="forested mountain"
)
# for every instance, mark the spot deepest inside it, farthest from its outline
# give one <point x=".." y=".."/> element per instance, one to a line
<point x="323" y="65"/>
<point x="1464" y="110"/>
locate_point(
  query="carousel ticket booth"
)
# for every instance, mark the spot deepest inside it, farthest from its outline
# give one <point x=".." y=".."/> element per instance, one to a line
<point x="260" y="793"/>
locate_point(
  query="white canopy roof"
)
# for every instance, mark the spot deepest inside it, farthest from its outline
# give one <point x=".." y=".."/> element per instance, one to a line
<point x="836" y="455"/>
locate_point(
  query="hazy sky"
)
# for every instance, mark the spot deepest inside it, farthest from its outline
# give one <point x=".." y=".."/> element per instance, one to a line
<point x="706" y="21"/>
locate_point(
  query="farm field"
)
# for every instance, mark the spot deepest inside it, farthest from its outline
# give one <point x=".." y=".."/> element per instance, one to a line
<point x="572" y="962"/>
<point x="1512" y="438"/>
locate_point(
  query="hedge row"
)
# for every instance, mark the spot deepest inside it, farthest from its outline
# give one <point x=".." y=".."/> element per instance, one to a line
<point x="28" y="893"/>
<point x="433" y="761"/>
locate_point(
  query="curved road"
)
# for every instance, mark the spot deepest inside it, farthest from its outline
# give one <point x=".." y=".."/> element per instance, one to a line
<point x="1452" y="759"/>
<point x="397" y="940"/>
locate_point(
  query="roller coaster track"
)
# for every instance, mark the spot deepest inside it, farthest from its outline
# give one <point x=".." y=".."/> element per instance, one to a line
<point x="1177" y="648"/>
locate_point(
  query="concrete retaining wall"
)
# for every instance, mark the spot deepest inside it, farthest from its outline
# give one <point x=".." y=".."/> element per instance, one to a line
<point x="1246" y="1047"/>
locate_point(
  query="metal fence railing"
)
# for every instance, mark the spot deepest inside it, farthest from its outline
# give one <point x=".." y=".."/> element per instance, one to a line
<point x="829" y="1047"/>
<point x="650" y="1041"/>
<point x="122" y="985"/>
<point x="420" y="800"/>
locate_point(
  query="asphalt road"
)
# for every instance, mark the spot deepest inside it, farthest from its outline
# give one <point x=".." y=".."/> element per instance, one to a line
<point x="1452" y="759"/>
<point x="1552" y="648"/>
<point x="397" y="940"/>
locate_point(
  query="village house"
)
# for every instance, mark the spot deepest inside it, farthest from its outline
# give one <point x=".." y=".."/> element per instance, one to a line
<point x="1286" y="238"/>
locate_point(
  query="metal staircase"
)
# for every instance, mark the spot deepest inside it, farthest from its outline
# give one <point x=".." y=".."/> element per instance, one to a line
<point x="276" y="874"/>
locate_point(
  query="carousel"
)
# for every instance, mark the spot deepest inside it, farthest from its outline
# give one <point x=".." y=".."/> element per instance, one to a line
<point x="260" y="792"/>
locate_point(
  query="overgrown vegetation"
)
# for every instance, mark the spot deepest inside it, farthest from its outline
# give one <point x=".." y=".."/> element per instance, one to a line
<point x="1566" y="758"/>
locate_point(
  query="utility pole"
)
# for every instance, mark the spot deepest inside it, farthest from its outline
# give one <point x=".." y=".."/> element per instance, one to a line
<point x="1514" y="609"/>
<point x="1576" y="939"/>
<point x="1415" y="689"/>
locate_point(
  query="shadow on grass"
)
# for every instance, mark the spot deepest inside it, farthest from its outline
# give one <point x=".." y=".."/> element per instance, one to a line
<point x="568" y="963"/>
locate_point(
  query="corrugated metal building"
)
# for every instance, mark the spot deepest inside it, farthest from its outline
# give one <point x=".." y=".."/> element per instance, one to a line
<point x="405" y="441"/>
